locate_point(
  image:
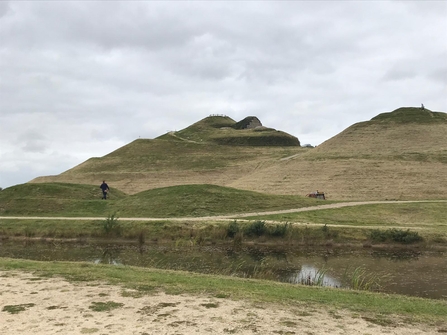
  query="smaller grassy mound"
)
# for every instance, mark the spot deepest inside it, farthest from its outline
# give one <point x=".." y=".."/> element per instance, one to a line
<point x="54" y="190"/>
<point x="54" y="199"/>
<point x="204" y="200"/>
<point x="57" y="199"/>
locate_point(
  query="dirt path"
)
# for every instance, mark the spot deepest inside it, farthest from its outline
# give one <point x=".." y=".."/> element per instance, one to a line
<point x="230" y="216"/>
<point x="40" y="306"/>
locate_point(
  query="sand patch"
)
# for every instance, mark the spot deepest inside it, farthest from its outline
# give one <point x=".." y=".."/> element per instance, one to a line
<point x="42" y="306"/>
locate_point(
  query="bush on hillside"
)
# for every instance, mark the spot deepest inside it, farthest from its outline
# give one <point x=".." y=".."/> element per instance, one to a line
<point x="232" y="229"/>
<point x="395" y="235"/>
<point x="256" y="228"/>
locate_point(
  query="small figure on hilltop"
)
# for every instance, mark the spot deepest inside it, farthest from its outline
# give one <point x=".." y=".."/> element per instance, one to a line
<point x="105" y="188"/>
<point x="422" y="106"/>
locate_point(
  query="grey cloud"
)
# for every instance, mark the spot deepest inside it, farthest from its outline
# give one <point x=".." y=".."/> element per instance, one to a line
<point x="33" y="141"/>
<point x="4" y="8"/>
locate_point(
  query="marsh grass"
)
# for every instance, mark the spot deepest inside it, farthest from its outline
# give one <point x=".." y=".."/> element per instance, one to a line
<point x="360" y="279"/>
<point x="315" y="279"/>
<point x="190" y="233"/>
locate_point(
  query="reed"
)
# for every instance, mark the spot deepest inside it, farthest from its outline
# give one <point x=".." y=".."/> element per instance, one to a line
<point x="360" y="279"/>
<point x="315" y="279"/>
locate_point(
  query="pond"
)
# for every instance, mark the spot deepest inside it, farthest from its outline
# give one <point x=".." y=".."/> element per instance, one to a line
<point x="410" y="273"/>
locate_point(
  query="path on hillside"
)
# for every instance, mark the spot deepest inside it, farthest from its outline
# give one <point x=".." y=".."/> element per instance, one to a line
<point x="173" y="134"/>
<point x="230" y="216"/>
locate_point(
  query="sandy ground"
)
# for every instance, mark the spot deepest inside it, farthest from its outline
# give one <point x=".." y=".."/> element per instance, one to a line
<point x="55" y="306"/>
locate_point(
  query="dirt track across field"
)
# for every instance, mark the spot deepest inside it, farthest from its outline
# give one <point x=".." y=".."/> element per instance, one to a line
<point x="230" y="216"/>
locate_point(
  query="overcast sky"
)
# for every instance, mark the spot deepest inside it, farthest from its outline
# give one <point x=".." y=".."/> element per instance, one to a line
<point x="80" y="79"/>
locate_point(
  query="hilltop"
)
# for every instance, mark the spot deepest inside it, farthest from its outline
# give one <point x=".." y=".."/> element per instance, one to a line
<point x="225" y="131"/>
<point x="396" y="155"/>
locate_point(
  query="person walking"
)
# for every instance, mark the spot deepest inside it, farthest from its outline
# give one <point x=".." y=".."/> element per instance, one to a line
<point x="105" y="188"/>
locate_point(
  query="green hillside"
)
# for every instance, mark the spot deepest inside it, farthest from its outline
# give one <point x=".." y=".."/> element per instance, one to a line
<point x="55" y="199"/>
<point x="205" y="200"/>
<point x="178" y="201"/>
<point x="60" y="191"/>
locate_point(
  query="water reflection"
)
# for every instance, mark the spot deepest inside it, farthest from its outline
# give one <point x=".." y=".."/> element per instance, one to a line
<point x="109" y="256"/>
<point x="311" y="275"/>
<point x="410" y="273"/>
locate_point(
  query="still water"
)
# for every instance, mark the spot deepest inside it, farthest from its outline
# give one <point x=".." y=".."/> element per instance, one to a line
<point x="422" y="274"/>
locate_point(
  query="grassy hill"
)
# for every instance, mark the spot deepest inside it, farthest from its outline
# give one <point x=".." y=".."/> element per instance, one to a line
<point x="58" y="199"/>
<point x="396" y="155"/>
<point x="189" y="156"/>
<point x="54" y="199"/>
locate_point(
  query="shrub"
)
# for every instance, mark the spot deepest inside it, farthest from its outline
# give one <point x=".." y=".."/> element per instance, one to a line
<point x="232" y="229"/>
<point x="111" y="224"/>
<point x="256" y="228"/>
<point x="395" y="235"/>
<point x="378" y="235"/>
<point x="279" y="230"/>
<point x="405" y="236"/>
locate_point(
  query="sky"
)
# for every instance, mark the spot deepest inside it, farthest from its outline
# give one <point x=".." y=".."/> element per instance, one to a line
<point x="79" y="79"/>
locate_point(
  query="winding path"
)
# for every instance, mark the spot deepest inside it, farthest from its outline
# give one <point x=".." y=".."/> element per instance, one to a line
<point x="230" y="216"/>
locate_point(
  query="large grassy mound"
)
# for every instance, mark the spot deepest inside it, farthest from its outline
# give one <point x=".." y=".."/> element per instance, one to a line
<point x="210" y="151"/>
<point x="396" y="155"/>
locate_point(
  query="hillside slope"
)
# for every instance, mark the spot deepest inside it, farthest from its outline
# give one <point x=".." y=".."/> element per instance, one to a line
<point x="210" y="151"/>
<point x="397" y="155"/>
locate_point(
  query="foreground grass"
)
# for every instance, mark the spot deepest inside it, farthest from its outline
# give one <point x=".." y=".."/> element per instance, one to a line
<point x="177" y="282"/>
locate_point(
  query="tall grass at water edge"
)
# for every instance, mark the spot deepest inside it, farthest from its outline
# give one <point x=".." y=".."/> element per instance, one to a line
<point x="357" y="279"/>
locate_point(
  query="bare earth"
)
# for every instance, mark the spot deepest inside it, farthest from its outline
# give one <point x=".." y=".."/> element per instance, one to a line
<point x="55" y="306"/>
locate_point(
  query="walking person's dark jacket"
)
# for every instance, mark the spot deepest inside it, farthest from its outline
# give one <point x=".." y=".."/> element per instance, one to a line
<point x="105" y="188"/>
